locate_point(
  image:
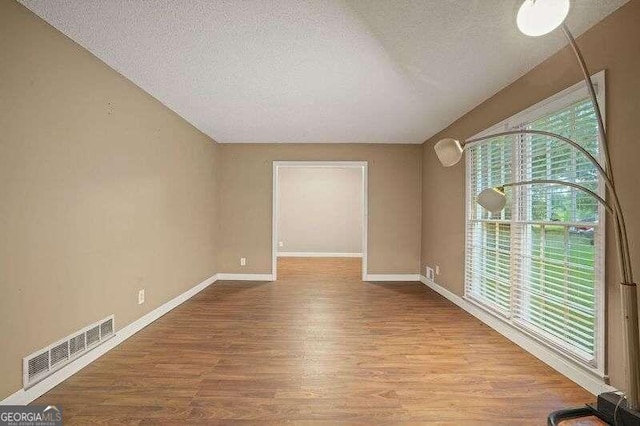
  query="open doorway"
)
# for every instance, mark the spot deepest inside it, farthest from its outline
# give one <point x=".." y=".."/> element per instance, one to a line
<point x="319" y="211"/>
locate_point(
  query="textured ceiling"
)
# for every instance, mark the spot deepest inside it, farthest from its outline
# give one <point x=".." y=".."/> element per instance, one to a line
<point x="314" y="70"/>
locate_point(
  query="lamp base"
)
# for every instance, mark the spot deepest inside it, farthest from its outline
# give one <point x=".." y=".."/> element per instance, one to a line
<point x="610" y="407"/>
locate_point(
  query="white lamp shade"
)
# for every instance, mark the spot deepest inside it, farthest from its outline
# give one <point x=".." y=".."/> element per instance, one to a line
<point x="449" y="151"/>
<point x="540" y="17"/>
<point x="492" y="199"/>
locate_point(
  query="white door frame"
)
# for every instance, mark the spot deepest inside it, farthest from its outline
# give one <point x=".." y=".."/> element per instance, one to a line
<point x="362" y="165"/>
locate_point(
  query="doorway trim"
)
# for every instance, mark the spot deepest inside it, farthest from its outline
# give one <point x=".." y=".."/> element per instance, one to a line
<point x="362" y="165"/>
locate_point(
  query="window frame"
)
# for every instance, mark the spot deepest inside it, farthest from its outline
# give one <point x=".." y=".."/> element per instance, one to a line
<point x="554" y="103"/>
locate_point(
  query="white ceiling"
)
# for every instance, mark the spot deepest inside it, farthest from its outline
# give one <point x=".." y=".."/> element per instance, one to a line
<point x="314" y="70"/>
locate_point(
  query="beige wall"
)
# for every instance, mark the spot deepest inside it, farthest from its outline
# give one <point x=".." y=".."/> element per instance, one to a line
<point x="320" y="209"/>
<point x="245" y="179"/>
<point x="614" y="45"/>
<point x="104" y="191"/>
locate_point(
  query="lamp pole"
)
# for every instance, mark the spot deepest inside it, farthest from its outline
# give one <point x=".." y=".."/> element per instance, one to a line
<point x="536" y="18"/>
<point x="628" y="287"/>
<point x="628" y="291"/>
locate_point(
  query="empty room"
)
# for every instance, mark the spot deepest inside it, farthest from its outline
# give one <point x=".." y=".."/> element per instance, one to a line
<point x="319" y="212"/>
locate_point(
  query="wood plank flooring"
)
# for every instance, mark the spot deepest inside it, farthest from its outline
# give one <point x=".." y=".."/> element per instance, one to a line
<point x="316" y="347"/>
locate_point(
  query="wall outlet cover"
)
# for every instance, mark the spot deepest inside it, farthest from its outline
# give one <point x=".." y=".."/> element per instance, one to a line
<point x="243" y="261"/>
<point x="141" y="297"/>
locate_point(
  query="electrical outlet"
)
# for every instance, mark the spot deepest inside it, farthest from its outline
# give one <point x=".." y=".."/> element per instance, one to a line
<point x="243" y="261"/>
<point x="430" y="274"/>
<point x="281" y="244"/>
<point x="437" y="269"/>
<point x="141" y="297"/>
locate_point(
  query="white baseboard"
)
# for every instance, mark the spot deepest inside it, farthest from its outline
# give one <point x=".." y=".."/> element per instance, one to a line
<point x="245" y="277"/>
<point x="392" y="277"/>
<point x="581" y="376"/>
<point x="315" y="254"/>
<point x="23" y="397"/>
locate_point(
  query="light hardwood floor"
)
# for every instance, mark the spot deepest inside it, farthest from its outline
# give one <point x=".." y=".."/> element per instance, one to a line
<point x="317" y="346"/>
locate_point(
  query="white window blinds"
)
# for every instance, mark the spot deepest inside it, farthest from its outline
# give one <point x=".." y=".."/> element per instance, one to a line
<point x="538" y="263"/>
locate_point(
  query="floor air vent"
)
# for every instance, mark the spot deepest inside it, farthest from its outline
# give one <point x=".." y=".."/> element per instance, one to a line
<point x="38" y="366"/>
<point x="93" y="336"/>
<point x="46" y="361"/>
<point x="106" y="328"/>
<point x="59" y="354"/>
<point x="76" y="344"/>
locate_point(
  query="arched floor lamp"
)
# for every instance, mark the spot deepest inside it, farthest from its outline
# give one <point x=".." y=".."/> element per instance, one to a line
<point x="536" y="18"/>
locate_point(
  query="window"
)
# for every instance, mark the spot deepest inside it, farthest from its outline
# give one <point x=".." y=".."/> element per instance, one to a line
<point x="538" y="264"/>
